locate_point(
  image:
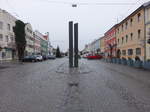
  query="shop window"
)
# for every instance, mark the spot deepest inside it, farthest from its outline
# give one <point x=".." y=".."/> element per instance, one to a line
<point x="124" y="52"/>
<point x="3" y="54"/>
<point x="138" y="51"/>
<point x="130" y="51"/>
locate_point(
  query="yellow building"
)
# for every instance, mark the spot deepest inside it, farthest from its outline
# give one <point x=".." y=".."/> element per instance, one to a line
<point x="102" y="45"/>
<point x="131" y="35"/>
<point x="147" y="25"/>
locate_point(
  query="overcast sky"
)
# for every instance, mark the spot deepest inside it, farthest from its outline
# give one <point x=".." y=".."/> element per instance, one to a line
<point x="53" y="17"/>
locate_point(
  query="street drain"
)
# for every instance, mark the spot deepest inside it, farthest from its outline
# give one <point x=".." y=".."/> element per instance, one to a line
<point x="73" y="84"/>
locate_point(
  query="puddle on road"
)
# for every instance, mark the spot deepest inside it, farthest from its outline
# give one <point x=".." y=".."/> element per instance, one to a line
<point x="71" y="97"/>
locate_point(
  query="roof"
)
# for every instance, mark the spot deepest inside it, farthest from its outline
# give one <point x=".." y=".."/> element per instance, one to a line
<point x="111" y="28"/>
<point x="147" y="4"/>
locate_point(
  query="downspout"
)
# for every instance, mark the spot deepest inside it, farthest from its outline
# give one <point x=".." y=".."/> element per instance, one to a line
<point x="144" y="36"/>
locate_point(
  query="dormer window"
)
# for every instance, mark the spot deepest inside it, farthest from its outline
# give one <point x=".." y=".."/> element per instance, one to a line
<point x="139" y="17"/>
<point x="122" y="27"/>
<point x="126" y="25"/>
<point x="118" y="30"/>
<point x="131" y="22"/>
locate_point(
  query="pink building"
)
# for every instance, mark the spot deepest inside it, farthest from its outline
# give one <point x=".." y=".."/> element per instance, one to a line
<point x="37" y="42"/>
<point x="110" y="42"/>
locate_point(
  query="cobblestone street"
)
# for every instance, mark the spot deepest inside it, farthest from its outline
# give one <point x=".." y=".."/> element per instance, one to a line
<point x="96" y="86"/>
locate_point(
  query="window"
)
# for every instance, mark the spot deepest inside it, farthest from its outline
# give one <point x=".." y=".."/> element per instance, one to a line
<point x="29" y="30"/>
<point x="131" y="36"/>
<point x="12" y="38"/>
<point x="138" y="51"/>
<point x="1" y="25"/>
<point x="124" y="52"/>
<point x="1" y="37"/>
<point x="139" y="34"/>
<point x="149" y="51"/>
<point x="130" y="51"/>
<point x="131" y="22"/>
<point x="139" y="17"/>
<point x="122" y="27"/>
<point x="126" y="38"/>
<point x="118" y="30"/>
<point x="122" y="39"/>
<point x="8" y="27"/>
<point x="126" y="25"/>
<point x="118" y="41"/>
<point x="7" y="39"/>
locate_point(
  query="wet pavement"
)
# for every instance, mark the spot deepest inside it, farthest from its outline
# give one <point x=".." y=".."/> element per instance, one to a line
<point x="96" y="86"/>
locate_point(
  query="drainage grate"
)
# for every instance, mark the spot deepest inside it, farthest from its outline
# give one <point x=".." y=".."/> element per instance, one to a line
<point x="73" y="84"/>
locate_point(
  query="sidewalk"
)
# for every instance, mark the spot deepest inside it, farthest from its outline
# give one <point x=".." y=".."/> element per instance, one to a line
<point x="141" y="75"/>
<point x="8" y="63"/>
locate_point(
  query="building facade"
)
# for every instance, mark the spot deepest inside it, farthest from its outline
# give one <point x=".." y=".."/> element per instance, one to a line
<point x="131" y="36"/>
<point x="147" y="25"/>
<point x="110" y="42"/>
<point x="7" y="37"/>
<point x="44" y="45"/>
<point x="29" y="50"/>
<point x="37" y="42"/>
<point x="102" y="45"/>
<point x="95" y="47"/>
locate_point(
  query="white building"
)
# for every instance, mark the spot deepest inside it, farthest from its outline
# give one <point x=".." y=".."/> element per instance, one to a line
<point x="29" y="50"/>
<point x="7" y="38"/>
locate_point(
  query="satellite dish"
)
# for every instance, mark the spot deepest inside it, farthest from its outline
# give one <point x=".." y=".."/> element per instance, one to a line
<point x="74" y="5"/>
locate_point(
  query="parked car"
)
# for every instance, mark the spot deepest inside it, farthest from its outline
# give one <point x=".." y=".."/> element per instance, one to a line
<point x="94" y="57"/>
<point x="84" y="55"/>
<point x="45" y="57"/>
<point x="31" y="58"/>
<point x="51" y="57"/>
<point x="39" y="58"/>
